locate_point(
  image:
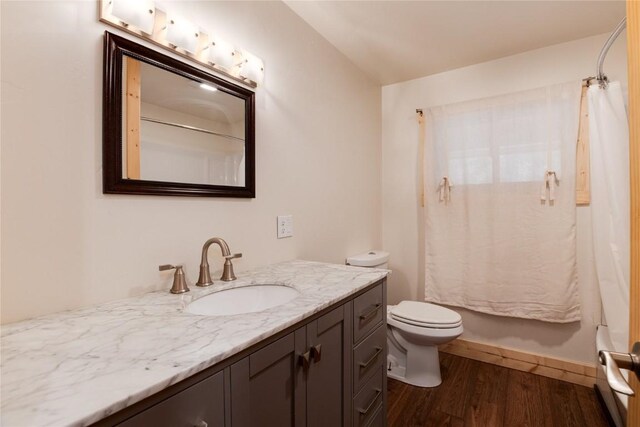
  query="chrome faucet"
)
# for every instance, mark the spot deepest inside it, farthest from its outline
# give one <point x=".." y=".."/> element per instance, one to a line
<point x="204" y="279"/>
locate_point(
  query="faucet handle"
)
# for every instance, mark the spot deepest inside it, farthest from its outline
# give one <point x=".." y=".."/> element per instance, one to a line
<point x="227" y="272"/>
<point x="179" y="282"/>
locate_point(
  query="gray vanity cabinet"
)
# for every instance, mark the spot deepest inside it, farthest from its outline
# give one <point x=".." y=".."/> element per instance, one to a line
<point x="298" y="380"/>
<point x="325" y="372"/>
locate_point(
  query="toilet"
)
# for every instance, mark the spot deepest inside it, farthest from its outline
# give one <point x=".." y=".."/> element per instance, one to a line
<point x="414" y="331"/>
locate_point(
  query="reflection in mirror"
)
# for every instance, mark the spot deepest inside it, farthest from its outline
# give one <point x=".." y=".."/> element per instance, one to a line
<point x="172" y="129"/>
<point x="189" y="131"/>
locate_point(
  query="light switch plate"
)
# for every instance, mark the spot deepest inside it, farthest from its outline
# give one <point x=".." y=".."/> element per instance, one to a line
<point x="285" y="226"/>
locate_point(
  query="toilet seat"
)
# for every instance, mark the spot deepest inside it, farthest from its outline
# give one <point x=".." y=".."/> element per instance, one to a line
<point x="425" y="315"/>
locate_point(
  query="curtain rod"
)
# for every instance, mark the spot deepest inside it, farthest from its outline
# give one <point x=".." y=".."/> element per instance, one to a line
<point x="179" y="125"/>
<point x="600" y="76"/>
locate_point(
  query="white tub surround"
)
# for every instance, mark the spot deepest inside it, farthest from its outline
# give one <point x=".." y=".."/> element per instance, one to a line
<point x="77" y="367"/>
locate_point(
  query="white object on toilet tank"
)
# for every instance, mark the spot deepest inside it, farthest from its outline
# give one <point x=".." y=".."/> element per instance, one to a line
<point x="376" y="259"/>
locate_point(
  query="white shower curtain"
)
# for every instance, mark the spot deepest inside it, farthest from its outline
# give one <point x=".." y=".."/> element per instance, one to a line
<point x="492" y="244"/>
<point x="609" y="141"/>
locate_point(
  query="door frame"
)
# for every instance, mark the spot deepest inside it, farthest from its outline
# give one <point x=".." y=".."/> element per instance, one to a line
<point x="633" y="64"/>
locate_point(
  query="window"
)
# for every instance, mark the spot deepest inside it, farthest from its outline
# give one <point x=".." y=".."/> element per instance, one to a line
<point x="500" y="140"/>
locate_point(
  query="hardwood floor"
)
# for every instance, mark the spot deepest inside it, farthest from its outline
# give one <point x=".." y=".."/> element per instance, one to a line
<point x="479" y="394"/>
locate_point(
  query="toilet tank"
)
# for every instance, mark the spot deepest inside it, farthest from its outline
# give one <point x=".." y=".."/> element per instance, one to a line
<point x="374" y="259"/>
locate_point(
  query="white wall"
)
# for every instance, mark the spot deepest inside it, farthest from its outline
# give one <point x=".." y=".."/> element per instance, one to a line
<point x="403" y="228"/>
<point x="66" y="245"/>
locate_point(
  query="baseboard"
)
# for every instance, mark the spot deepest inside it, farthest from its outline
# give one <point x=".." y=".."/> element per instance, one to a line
<point x="565" y="370"/>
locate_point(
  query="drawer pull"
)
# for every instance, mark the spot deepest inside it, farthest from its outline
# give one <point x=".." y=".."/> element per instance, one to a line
<point x="370" y="405"/>
<point x="201" y="424"/>
<point x="370" y="312"/>
<point x="316" y="352"/>
<point x="303" y="360"/>
<point x="365" y="365"/>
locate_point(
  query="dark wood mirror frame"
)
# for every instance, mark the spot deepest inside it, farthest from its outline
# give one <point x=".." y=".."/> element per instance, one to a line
<point x="115" y="48"/>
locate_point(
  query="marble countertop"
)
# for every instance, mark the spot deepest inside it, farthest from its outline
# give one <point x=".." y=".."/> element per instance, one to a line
<point x="77" y="367"/>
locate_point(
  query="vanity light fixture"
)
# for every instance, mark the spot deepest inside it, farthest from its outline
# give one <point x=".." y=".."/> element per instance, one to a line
<point x="182" y="33"/>
<point x="208" y="87"/>
<point x="223" y="53"/>
<point x="252" y="68"/>
<point x="174" y="33"/>
<point x="139" y="13"/>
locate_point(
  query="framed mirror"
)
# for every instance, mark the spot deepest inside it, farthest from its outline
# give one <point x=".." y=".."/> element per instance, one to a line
<point x="172" y="129"/>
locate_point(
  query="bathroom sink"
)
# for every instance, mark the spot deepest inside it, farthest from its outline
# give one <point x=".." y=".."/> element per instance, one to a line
<point x="245" y="299"/>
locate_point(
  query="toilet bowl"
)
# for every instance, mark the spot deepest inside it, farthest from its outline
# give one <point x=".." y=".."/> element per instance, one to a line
<point x="414" y="331"/>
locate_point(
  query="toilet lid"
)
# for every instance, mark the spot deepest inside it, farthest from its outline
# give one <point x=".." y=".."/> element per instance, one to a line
<point x="425" y="314"/>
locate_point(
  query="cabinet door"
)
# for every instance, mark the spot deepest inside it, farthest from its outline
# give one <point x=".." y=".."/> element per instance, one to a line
<point x="267" y="386"/>
<point x="329" y="374"/>
<point x="199" y="405"/>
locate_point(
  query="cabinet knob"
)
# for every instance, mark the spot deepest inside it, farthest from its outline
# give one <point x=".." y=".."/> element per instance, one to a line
<point x="316" y="352"/>
<point x="304" y="359"/>
<point x="201" y="424"/>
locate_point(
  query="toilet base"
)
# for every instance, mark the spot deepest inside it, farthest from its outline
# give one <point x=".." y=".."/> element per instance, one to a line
<point x="396" y="372"/>
<point x="424" y="368"/>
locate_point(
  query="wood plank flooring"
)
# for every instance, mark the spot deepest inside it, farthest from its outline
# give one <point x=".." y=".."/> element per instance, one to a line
<point x="477" y="394"/>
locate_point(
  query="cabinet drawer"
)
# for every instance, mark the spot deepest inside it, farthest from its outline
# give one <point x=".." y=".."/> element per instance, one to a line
<point x="368" y="400"/>
<point x="368" y="310"/>
<point x="378" y="420"/>
<point x="203" y="401"/>
<point x="368" y="356"/>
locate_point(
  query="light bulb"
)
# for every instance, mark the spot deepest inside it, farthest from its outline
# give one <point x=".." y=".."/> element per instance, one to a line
<point x="208" y="87"/>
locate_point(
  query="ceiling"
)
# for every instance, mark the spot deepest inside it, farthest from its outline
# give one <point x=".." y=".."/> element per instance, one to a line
<point x="180" y="94"/>
<point x="394" y="41"/>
